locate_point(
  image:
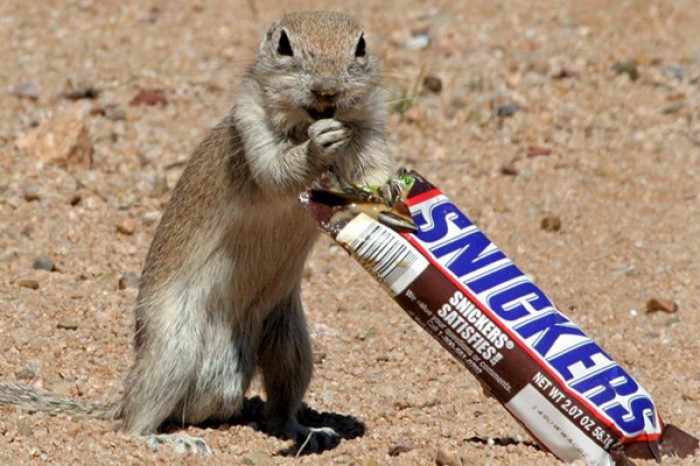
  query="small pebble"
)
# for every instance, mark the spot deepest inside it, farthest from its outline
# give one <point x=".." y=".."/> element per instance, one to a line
<point x="67" y="324"/>
<point x="447" y="458"/>
<point x="77" y="89"/>
<point x="507" y="110"/>
<point x="369" y="333"/>
<point x="371" y="462"/>
<point x="644" y="59"/>
<point x="676" y="71"/>
<point x="75" y="199"/>
<point x="432" y="83"/>
<point x="661" y="304"/>
<point x="419" y="40"/>
<point x="257" y="458"/>
<point x="628" y="67"/>
<point x="31" y="284"/>
<point x="127" y="227"/>
<point x="149" y="218"/>
<point x="672" y="321"/>
<point x="673" y="109"/>
<point x="149" y="98"/>
<point x="412" y="113"/>
<point x="26" y="89"/>
<point x="74" y="428"/>
<point x="319" y="358"/>
<point x="551" y="223"/>
<point x="44" y="263"/>
<point x="128" y="280"/>
<point x="62" y="139"/>
<point x="509" y="169"/>
<point x="500" y="206"/>
<point x="114" y="112"/>
<point x="401" y="405"/>
<point x="31" y="193"/>
<point x="25" y="374"/>
<point x="538" y="151"/>
<point x="396" y="450"/>
<point x="565" y="74"/>
<point x="224" y="427"/>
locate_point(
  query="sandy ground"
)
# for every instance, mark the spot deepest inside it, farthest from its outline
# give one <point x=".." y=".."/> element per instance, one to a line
<point x="518" y="78"/>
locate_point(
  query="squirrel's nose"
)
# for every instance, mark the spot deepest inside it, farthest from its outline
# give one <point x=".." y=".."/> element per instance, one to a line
<point x="325" y="89"/>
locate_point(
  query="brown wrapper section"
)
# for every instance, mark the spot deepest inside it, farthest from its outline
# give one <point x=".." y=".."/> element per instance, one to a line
<point x="561" y="420"/>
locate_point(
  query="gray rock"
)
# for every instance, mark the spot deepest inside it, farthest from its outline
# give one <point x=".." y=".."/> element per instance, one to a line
<point x="628" y="67"/>
<point x="508" y="110"/>
<point x="677" y="72"/>
<point x="114" y="112"/>
<point x="26" y="89"/>
<point x="44" y="263"/>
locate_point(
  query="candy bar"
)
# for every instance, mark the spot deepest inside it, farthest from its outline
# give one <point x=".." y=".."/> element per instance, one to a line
<point x="569" y="394"/>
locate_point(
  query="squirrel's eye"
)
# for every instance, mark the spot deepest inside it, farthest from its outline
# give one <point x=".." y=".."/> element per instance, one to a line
<point x="360" y="50"/>
<point x="284" y="47"/>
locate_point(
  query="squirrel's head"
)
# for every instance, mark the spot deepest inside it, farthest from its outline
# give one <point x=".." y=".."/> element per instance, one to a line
<point x="315" y="65"/>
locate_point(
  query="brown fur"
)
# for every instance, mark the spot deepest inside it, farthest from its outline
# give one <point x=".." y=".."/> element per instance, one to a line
<point x="220" y="290"/>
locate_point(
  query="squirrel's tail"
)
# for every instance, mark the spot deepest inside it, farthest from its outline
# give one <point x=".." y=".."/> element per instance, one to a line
<point x="37" y="400"/>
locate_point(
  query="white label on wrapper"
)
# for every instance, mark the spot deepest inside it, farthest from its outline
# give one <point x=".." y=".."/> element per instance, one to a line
<point x="563" y="437"/>
<point x="384" y="253"/>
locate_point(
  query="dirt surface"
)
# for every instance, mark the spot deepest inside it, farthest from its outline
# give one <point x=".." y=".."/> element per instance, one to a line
<point x="583" y="112"/>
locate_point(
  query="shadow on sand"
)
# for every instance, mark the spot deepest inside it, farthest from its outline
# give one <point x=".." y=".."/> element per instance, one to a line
<point x="251" y="415"/>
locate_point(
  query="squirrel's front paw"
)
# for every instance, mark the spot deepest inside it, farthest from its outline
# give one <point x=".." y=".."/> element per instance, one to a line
<point x="328" y="136"/>
<point x="392" y="189"/>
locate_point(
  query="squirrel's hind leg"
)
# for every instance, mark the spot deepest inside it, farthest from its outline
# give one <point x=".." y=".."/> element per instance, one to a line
<point x="285" y="360"/>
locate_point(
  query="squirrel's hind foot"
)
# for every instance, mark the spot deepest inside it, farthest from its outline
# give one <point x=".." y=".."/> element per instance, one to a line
<point x="315" y="439"/>
<point x="179" y="443"/>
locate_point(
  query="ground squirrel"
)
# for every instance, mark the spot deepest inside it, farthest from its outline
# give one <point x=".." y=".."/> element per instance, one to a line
<point x="219" y="295"/>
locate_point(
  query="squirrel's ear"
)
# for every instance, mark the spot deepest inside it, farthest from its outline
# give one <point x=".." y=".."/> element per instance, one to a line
<point x="360" y="49"/>
<point x="284" y="47"/>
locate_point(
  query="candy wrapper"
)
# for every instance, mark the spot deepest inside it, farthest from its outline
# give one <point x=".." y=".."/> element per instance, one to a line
<point x="569" y="394"/>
